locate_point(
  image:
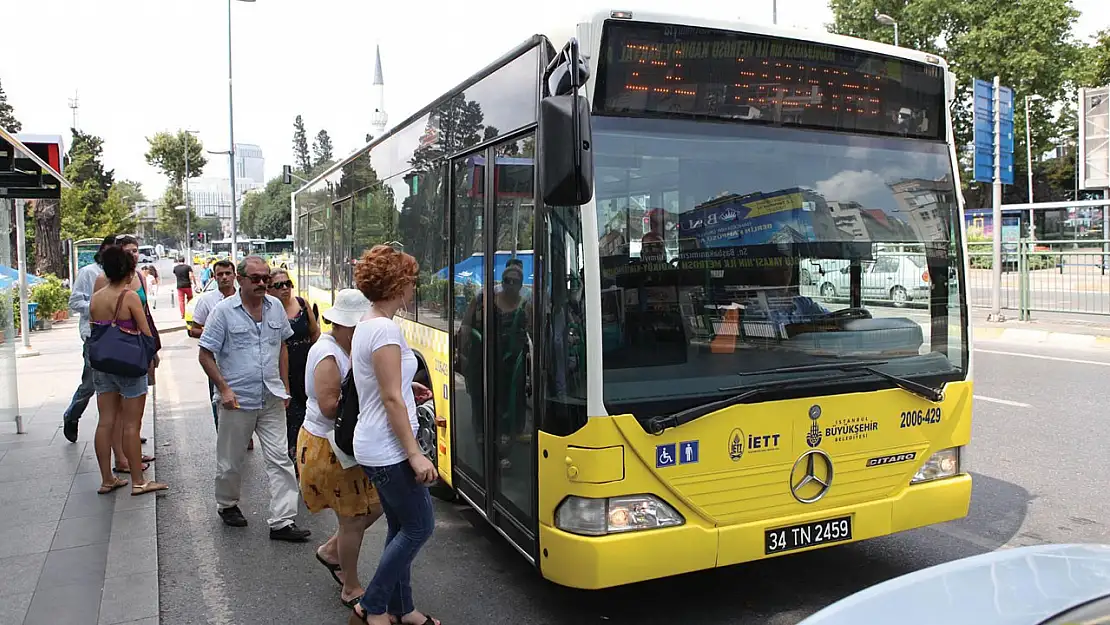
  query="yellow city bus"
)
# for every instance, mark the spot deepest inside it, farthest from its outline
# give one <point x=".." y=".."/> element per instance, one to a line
<point x="729" y="317"/>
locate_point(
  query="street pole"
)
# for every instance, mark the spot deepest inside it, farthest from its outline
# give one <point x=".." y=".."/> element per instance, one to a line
<point x="774" y="11"/>
<point x="996" y="213"/>
<point x="24" y="296"/>
<point x="188" y="220"/>
<point x="895" y="34"/>
<point x="231" y="142"/>
<point x="1029" y="161"/>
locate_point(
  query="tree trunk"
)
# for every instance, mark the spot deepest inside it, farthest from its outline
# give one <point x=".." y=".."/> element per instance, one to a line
<point x="49" y="253"/>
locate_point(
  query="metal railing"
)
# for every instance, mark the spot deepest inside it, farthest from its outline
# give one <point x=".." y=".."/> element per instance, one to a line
<point x="1044" y="276"/>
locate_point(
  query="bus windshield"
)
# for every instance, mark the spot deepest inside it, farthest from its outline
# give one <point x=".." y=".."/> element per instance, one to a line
<point x="729" y="249"/>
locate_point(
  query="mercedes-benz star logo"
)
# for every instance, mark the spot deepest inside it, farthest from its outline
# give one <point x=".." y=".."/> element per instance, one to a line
<point x="815" y="477"/>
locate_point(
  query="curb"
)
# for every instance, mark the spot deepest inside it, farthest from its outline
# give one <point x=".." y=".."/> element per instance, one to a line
<point x="1058" y="339"/>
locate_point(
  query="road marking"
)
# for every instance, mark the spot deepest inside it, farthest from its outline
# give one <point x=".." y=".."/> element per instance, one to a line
<point x="1040" y="357"/>
<point x="1004" y="402"/>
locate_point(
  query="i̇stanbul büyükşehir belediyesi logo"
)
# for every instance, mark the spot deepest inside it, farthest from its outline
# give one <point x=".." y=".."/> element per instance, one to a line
<point x="846" y="429"/>
<point x="814" y="436"/>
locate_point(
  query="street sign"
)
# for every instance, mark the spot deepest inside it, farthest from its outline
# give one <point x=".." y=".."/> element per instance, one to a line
<point x="1094" y="138"/>
<point x="983" y="130"/>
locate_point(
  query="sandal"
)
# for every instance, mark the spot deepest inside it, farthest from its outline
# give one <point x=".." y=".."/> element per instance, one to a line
<point x="147" y="487"/>
<point x="361" y="618"/>
<point x="352" y="602"/>
<point x="146" y="465"/>
<point x="107" y="488"/>
<point x="332" y="568"/>
<point x="148" y="459"/>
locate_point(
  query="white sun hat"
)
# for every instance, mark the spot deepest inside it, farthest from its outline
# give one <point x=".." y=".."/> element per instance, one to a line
<point x="350" y="305"/>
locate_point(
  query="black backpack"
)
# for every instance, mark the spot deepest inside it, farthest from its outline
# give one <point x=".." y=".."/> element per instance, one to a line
<point x="346" y="416"/>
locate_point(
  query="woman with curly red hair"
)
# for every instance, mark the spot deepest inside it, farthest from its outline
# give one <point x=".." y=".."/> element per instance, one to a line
<point x="385" y="435"/>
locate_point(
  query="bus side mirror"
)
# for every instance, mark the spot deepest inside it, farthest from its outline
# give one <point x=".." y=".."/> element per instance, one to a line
<point x="566" y="143"/>
<point x="567" y="159"/>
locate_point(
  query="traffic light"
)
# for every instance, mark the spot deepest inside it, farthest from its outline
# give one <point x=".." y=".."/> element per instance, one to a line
<point x="200" y="237"/>
<point x="286" y="174"/>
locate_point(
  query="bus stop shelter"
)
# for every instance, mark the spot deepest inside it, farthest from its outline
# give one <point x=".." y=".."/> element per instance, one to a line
<point x="28" y="171"/>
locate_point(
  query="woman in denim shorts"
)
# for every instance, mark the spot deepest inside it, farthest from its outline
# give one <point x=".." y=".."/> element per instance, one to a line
<point x="120" y="400"/>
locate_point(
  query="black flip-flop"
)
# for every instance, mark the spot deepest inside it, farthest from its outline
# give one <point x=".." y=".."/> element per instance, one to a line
<point x="350" y="603"/>
<point x="332" y="568"/>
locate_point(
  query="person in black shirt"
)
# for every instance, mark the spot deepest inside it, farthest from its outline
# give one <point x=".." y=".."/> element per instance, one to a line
<point x="186" y="281"/>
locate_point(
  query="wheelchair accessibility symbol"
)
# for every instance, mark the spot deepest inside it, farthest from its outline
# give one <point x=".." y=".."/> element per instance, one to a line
<point x="665" y="456"/>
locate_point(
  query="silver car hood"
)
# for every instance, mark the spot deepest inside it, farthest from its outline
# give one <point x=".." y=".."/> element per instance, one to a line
<point x="1022" y="586"/>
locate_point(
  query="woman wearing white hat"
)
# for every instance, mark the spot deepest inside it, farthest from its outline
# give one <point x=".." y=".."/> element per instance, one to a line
<point x="329" y="478"/>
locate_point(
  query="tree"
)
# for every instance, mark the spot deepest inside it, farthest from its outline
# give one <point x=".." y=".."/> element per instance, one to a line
<point x="266" y="213"/>
<point x="301" y="158"/>
<point x="7" y="114"/>
<point x="1093" y="70"/>
<point x="171" y="221"/>
<point x="167" y="153"/>
<point x="322" y="149"/>
<point x="83" y="204"/>
<point x="976" y="38"/>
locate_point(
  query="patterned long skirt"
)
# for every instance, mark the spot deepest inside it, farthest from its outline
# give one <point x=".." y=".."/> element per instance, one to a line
<point x="326" y="484"/>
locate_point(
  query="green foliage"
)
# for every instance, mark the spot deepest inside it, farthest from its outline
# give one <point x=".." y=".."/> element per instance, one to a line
<point x="301" y="158"/>
<point x="167" y="153"/>
<point x="1093" y="69"/>
<point x="435" y="294"/>
<point x="85" y="212"/>
<point x="266" y="213"/>
<point x="170" y="220"/>
<point x="9" y="310"/>
<point x="322" y="149"/>
<point x="50" y="295"/>
<point x="1027" y="44"/>
<point x="7" y="114"/>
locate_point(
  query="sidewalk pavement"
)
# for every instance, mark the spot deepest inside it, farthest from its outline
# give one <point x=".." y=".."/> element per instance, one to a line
<point x="69" y="556"/>
<point x="1055" y="331"/>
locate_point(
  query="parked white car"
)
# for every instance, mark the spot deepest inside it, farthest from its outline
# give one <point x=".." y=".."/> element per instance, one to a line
<point x="899" y="278"/>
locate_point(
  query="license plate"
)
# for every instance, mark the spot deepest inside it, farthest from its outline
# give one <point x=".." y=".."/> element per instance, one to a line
<point x="807" y="535"/>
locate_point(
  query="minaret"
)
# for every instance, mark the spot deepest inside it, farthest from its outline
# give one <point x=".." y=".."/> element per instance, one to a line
<point x="377" y="95"/>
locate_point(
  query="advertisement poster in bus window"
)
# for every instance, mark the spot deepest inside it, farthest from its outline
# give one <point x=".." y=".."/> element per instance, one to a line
<point x="780" y="217"/>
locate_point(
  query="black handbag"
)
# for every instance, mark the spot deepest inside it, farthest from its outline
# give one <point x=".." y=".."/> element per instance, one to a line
<point x="121" y="352"/>
<point x="346" y="415"/>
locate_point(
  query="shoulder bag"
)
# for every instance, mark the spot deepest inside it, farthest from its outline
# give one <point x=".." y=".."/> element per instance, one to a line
<point x="346" y="416"/>
<point x="121" y="352"/>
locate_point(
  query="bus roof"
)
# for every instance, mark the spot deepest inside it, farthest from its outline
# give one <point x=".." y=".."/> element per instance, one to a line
<point x="771" y="30"/>
<point x="597" y="18"/>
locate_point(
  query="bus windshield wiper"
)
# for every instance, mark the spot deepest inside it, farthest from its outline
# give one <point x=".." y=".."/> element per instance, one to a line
<point x="921" y="390"/>
<point x="661" y="423"/>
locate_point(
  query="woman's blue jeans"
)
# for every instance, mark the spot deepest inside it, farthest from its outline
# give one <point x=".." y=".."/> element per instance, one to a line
<point x="408" y="513"/>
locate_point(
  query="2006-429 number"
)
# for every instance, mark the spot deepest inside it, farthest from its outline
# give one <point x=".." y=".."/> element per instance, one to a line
<point x="914" y="418"/>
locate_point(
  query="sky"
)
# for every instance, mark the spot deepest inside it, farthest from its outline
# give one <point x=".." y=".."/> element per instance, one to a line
<point x="142" y="66"/>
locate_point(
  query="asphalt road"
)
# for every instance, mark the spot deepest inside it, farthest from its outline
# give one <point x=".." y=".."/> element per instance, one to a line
<point x="1037" y="454"/>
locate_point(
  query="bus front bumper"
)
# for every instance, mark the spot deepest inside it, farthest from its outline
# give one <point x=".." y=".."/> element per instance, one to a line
<point x="593" y="562"/>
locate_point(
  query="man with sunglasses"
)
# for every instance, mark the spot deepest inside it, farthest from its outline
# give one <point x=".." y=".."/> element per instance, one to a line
<point x="224" y="272"/>
<point x="243" y="352"/>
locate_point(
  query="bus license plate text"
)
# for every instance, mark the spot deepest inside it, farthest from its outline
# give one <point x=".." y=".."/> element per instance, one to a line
<point x="807" y="535"/>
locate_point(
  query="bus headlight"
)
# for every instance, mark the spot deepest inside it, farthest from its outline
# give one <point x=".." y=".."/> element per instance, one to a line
<point x="944" y="463"/>
<point x="598" y="517"/>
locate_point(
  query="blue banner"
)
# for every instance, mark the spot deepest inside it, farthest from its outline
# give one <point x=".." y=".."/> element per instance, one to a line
<point x="983" y="132"/>
<point x="787" y="216"/>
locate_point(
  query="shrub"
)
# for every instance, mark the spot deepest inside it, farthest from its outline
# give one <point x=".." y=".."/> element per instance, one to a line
<point x="50" y="295"/>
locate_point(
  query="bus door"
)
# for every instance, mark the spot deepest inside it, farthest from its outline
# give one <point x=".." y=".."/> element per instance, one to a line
<point x="494" y="433"/>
